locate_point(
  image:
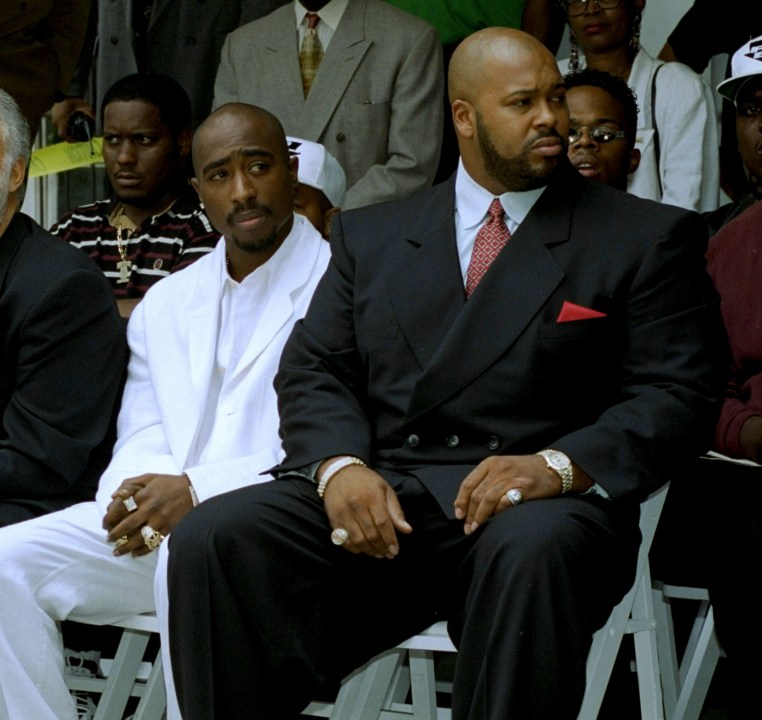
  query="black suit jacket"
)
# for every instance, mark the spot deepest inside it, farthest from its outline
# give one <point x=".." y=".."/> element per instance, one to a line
<point x="62" y="361"/>
<point x="392" y="364"/>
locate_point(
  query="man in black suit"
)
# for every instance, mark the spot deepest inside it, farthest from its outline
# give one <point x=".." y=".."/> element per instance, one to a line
<point x="456" y="447"/>
<point x="62" y="353"/>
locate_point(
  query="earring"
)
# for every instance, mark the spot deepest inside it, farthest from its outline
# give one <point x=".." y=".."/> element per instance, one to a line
<point x="573" y="52"/>
<point x="635" y="37"/>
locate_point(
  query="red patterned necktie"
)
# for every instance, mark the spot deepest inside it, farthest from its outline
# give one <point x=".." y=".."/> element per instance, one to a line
<point x="311" y="53"/>
<point x="490" y="240"/>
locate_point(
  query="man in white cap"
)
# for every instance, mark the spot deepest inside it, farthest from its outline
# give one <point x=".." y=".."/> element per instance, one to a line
<point x="744" y="89"/>
<point x="322" y="183"/>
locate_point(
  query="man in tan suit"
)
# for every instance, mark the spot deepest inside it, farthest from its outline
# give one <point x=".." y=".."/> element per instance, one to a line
<point x="375" y="102"/>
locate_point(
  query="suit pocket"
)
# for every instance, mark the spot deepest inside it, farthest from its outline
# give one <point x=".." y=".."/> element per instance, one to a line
<point x="573" y="329"/>
<point x="369" y="119"/>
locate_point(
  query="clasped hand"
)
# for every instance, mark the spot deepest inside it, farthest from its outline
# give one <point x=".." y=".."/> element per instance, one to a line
<point x="364" y="504"/>
<point x="162" y="501"/>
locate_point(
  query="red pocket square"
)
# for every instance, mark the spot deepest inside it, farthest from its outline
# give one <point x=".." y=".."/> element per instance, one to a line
<point x="570" y="312"/>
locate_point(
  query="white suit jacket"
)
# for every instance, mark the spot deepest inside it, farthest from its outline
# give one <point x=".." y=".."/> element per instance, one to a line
<point x="376" y="102"/>
<point x="173" y="338"/>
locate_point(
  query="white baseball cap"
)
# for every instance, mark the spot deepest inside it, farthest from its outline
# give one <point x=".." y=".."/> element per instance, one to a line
<point x="746" y="64"/>
<point x="319" y="169"/>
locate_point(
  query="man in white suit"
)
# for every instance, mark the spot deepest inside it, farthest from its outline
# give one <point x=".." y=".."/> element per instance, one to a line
<point x="376" y="99"/>
<point x="198" y="416"/>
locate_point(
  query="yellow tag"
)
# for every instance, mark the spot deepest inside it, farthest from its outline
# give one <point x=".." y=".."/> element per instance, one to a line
<point x="65" y="156"/>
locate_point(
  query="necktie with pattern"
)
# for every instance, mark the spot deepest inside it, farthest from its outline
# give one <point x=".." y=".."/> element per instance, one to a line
<point x="311" y="53"/>
<point x="490" y="240"/>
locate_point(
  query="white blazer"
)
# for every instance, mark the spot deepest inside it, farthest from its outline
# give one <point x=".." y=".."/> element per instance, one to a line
<point x="173" y="339"/>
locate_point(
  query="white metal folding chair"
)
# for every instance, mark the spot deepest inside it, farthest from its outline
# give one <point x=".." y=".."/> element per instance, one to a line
<point x="685" y="683"/>
<point x="122" y="681"/>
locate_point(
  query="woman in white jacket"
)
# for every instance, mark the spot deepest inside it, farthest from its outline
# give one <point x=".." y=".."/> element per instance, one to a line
<point x="677" y="124"/>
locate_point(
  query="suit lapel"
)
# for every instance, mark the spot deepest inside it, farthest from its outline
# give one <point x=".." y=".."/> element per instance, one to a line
<point x="511" y="294"/>
<point x="203" y="318"/>
<point x="426" y="288"/>
<point x="293" y="273"/>
<point x="345" y="53"/>
<point x="281" y="76"/>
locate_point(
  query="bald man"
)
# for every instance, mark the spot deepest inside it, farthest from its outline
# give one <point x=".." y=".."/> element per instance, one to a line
<point x="470" y="420"/>
<point x="198" y="416"/>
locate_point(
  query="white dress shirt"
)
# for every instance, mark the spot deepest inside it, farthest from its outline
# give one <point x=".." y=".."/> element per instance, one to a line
<point x="330" y="14"/>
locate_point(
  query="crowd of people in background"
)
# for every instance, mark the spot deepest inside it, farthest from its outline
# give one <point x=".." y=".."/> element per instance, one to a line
<point x="389" y="147"/>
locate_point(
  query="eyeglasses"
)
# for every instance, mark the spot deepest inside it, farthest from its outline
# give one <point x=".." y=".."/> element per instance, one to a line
<point x="577" y="7"/>
<point x="599" y="133"/>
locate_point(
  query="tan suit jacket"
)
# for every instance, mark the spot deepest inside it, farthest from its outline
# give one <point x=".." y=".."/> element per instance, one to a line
<point x="376" y="102"/>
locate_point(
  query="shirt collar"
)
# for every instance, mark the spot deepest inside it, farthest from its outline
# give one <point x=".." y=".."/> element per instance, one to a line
<point x="330" y="13"/>
<point x="472" y="200"/>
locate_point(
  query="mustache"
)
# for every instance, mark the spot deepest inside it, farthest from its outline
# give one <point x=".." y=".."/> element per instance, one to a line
<point x="250" y="206"/>
<point x="552" y="133"/>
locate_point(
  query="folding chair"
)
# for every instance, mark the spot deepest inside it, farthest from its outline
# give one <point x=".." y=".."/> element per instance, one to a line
<point x="378" y="690"/>
<point x="685" y="684"/>
<point x="122" y="681"/>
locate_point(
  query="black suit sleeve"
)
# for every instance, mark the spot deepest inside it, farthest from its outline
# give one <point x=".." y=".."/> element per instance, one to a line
<point x="321" y="362"/>
<point x="58" y="403"/>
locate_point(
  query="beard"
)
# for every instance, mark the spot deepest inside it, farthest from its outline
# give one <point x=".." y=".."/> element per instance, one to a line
<point x="255" y="244"/>
<point x="515" y="173"/>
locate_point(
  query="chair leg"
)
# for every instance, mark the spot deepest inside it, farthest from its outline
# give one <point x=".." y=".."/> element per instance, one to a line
<point x="119" y="684"/>
<point x="699" y="668"/>
<point x="643" y="627"/>
<point x="154" y="699"/>
<point x="423" y="685"/>
<point x="362" y="695"/>
<point x="665" y="642"/>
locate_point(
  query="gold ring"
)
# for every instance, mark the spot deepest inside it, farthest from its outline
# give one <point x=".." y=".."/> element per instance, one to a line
<point x="121" y="541"/>
<point x="130" y="504"/>
<point x="152" y="538"/>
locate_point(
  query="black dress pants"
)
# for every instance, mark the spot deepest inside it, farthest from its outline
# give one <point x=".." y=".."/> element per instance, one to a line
<point x="265" y="613"/>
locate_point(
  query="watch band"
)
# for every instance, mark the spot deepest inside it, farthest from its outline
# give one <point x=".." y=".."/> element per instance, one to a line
<point x="561" y="464"/>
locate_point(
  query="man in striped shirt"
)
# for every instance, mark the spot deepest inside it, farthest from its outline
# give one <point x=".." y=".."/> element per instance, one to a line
<point x="153" y="224"/>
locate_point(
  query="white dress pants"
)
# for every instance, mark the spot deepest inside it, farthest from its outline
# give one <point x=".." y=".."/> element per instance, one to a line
<point x="52" y="568"/>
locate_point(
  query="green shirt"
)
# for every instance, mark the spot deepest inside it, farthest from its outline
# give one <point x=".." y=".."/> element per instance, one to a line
<point x="456" y="19"/>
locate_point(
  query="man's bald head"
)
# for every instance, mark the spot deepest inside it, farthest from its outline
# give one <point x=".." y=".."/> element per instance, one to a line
<point x="509" y="109"/>
<point x="491" y="46"/>
<point x="233" y="115"/>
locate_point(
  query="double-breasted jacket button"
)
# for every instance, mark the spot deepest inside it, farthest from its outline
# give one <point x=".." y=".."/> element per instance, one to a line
<point x="493" y="443"/>
<point x="413" y="440"/>
<point x="453" y="441"/>
<point x="340" y="137"/>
